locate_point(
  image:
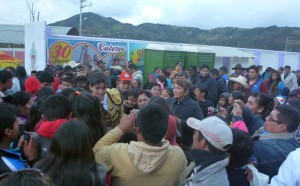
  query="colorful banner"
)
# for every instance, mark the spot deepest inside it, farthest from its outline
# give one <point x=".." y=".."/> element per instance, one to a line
<point x="85" y="52"/>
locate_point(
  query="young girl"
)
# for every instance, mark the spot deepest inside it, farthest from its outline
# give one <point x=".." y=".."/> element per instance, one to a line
<point x="167" y="93"/>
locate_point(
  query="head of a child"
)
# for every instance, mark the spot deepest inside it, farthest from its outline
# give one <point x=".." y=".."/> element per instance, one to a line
<point x="57" y="107"/>
<point x="167" y="93"/>
<point x="224" y="99"/>
<point x="66" y="82"/>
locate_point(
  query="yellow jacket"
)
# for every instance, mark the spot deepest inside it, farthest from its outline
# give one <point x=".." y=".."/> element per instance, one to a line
<point x="138" y="163"/>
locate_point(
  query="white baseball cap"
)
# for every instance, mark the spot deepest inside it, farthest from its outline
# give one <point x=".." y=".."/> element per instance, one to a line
<point x="215" y="131"/>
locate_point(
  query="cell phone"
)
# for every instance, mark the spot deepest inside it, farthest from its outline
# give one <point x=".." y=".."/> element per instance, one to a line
<point x="26" y="136"/>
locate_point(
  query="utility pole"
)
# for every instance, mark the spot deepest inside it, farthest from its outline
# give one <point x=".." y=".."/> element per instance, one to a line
<point x="80" y="17"/>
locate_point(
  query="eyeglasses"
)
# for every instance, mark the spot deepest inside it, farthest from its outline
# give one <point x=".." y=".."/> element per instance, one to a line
<point x="271" y="119"/>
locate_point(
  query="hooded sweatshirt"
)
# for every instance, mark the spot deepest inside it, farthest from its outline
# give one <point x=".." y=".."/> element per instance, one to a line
<point x="138" y="75"/>
<point x="138" y="163"/>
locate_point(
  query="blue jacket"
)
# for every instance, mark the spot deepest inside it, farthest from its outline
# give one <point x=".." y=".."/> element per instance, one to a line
<point x="271" y="149"/>
<point x="11" y="160"/>
<point x="184" y="109"/>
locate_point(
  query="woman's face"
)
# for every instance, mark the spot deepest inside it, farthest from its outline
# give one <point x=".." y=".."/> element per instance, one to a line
<point x="230" y="100"/>
<point x="198" y="94"/>
<point x="134" y="84"/>
<point x="132" y="102"/>
<point x="25" y="109"/>
<point x="151" y="80"/>
<point x="179" y="92"/>
<point x="274" y="76"/>
<point x="222" y="102"/>
<point x="253" y="105"/>
<point x="155" y="90"/>
<point x="165" y="94"/>
<point x="143" y="100"/>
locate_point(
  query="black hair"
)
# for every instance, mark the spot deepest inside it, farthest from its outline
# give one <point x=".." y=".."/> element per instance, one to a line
<point x="203" y="88"/>
<point x="67" y="91"/>
<point x="238" y="95"/>
<point x="146" y="92"/>
<point x="36" y="112"/>
<point x="161" y="101"/>
<point x="156" y="68"/>
<point x="67" y="68"/>
<point x="33" y="72"/>
<point x="240" y="150"/>
<point x="287" y="66"/>
<point x="87" y="109"/>
<point x="273" y="84"/>
<point x="45" y="91"/>
<point x="133" y="92"/>
<point x="210" y="147"/>
<point x="68" y="74"/>
<point x="204" y="66"/>
<point x="294" y="103"/>
<point x="5" y="76"/>
<point x="153" y="84"/>
<point x="215" y="72"/>
<point x="46" y="77"/>
<point x="8" y="114"/>
<point x="254" y="68"/>
<point x="163" y="80"/>
<point x="153" y="122"/>
<point x="132" y="66"/>
<point x="21" y="98"/>
<point x="21" y="72"/>
<point x="264" y="101"/>
<point x="70" y="160"/>
<point x="170" y="91"/>
<point x="96" y="77"/>
<point x="56" y="107"/>
<point x="11" y="70"/>
<point x="67" y="80"/>
<point x="289" y="116"/>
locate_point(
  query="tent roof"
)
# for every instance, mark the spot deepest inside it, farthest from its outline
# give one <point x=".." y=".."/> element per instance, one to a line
<point x="230" y="52"/>
<point x="180" y="47"/>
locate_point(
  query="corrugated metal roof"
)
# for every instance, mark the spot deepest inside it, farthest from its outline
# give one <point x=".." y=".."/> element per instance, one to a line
<point x="12" y="33"/>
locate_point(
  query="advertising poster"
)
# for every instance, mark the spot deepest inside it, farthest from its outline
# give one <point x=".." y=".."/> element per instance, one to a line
<point x="85" y="52"/>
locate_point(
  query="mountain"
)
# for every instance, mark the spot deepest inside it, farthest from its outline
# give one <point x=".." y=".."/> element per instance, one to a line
<point x="269" y="38"/>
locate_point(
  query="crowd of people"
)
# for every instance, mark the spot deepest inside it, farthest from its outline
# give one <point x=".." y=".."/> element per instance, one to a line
<point x="83" y="125"/>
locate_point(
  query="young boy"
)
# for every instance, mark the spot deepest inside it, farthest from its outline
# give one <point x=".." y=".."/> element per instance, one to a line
<point x="57" y="111"/>
<point x="66" y="82"/>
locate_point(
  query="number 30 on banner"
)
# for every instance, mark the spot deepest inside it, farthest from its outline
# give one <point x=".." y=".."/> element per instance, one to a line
<point x="60" y="52"/>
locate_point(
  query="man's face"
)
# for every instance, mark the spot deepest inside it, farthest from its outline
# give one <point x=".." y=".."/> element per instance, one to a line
<point x="98" y="90"/>
<point x="252" y="74"/>
<point x="65" y="85"/>
<point x="124" y="86"/>
<point x="287" y="70"/>
<point x="8" y="84"/>
<point x="197" y="144"/>
<point x="204" y="72"/>
<point x="273" y="125"/>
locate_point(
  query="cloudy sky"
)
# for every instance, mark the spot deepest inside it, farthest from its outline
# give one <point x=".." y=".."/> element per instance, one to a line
<point x="204" y="14"/>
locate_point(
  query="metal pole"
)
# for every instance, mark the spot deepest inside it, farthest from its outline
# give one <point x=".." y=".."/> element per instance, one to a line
<point x="286" y="42"/>
<point x="80" y="17"/>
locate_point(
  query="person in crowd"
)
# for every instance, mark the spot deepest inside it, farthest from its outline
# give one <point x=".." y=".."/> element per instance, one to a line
<point x="6" y="83"/>
<point x="32" y="85"/>
<point x="201" y="92"/>
<point x="298" y="77"/>
<point x="155" y="89"/>
<point x="184" y="107"/>
<point x="240" y="153"/>
<point x="143" y="97"/>
<point x="23" y="101"/>
<point x="21" y="74"/>
<point x="224" y="100"/>
<point x="255" y="84"/>
<point x="151" y="160"/>
<point x="210" y="82"/>
<point x="164" y="74"/>
<point x="235" y="95"/>
<point x="296" y="104"/>
<point x="288" y="173"/>
<point x="57" y="111"/>
<point x="33" y="73"/>
<point x="156" y="72"/>
<point x="289" y="78"/>
<point x="16" y="84"/>
<point x="107" y="74"/>
<point x="11" y="159"/>
<point x="167" y="93"/>
<point x="178" y="69"/>
<point x="223" y="73"/>
<point x="58" y="71"/>
<point x="239" y="83"/>
<point x="267" y="73"/>
<point x="66" y="82"/>
<point x="238" y="70"/>
<point x="151" y="79"/>
<point x="275" y="140"/>
<point x="135" y="83"/>
<point x="86" y="108"/>
<point x="162" y="81"/>
<point x="132" y="101"/>
<point x="260" y="104"/>
<point x="135" y="73"/>
<point x="278" y="101"/>
<point x="280" y="70"/>
<point x="80" y="82"/>
<point x="212" y="138"/>
<point x="194" y="76"/>
<point x="274" y="84"/>
<point x="111" y="99"/>
<point x="36" y="117"/>
<point x="101" y="64"/>
<point x="171" y="133"/>
<point x="221" y="83"/>
<point x="124" y="84"/>
<point x="46" y="79"/>
<point x="70" y="160"/>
